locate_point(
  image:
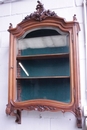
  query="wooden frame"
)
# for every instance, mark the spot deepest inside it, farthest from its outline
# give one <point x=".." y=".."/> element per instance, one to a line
<point x="44" y="18"/>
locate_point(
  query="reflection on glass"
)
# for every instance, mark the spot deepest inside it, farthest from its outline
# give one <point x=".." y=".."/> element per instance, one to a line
<point x="43" y="41"/>
<point x="43" y="68"/>
<point x="24" y="70"/>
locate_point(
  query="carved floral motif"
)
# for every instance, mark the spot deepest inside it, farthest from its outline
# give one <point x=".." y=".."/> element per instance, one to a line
<point x="16" y="111"/>
<point x="12" y="110"/>
<point x="41" y="108"/>
<point x="41" y="13"/>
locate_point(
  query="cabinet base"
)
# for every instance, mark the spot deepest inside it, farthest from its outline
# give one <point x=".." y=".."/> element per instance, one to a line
<point x="15" y="111"/>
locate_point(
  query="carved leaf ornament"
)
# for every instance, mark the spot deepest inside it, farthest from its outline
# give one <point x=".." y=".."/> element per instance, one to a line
<point x="40" y="14"/>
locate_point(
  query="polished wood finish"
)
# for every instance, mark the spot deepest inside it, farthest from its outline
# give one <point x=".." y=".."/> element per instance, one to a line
<point x="44" y="18"/>
<point x="43" y="56"/>
<point x="49" y="77"/>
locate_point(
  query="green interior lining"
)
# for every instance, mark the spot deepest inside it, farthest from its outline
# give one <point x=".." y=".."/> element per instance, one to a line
<point x="53" y="89"/>
<point x="46" y="67"/>
<point x="47" y="50"/>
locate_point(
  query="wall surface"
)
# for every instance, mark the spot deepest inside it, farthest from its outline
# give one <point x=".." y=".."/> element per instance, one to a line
<point x="14" y="13"/>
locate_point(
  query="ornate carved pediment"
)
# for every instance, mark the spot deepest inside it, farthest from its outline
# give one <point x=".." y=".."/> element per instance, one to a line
<point x="40" y="13"/>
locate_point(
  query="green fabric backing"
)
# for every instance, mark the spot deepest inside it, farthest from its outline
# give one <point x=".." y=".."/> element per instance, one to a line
<point x="53" y="89"/>
<point x="46" y="67"/>
<point x="47" y="50"/>
<point x="46" y="88"/>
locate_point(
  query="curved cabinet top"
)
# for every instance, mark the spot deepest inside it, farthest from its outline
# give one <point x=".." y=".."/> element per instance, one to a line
<point x="41" y="18"/>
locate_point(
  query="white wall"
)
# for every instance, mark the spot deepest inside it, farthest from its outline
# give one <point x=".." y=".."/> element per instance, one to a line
<point x="14" y="13"/>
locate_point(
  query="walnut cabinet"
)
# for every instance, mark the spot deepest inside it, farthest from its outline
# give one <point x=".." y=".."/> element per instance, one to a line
<point x="44" y="65"/>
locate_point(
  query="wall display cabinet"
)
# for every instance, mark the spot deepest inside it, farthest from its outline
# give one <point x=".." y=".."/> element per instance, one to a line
<point x="44" y="65"/>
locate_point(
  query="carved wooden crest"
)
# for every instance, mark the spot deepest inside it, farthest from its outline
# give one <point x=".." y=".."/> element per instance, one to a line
<point x="40" y="13"/>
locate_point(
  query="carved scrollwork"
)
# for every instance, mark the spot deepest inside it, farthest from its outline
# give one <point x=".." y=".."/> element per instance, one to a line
<point x="11" y="110"/>
<point x="41" y="108"/>
<point x="8" y="109"/>
<point x="41" y="13"/>
<point x="79" y="115"/>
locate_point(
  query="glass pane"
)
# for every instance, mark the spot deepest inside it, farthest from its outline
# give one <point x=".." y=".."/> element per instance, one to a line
<point x="52" y="89"/>
<point x="44" y="67"/>
<point x="43" y="41"/>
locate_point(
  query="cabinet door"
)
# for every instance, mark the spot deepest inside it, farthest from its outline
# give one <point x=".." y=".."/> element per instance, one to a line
<point x="43" y="68"/>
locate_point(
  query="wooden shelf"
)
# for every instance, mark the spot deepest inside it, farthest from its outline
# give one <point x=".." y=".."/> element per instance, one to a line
<point x="47" y="77"/>
<point x="57" y="55"/>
